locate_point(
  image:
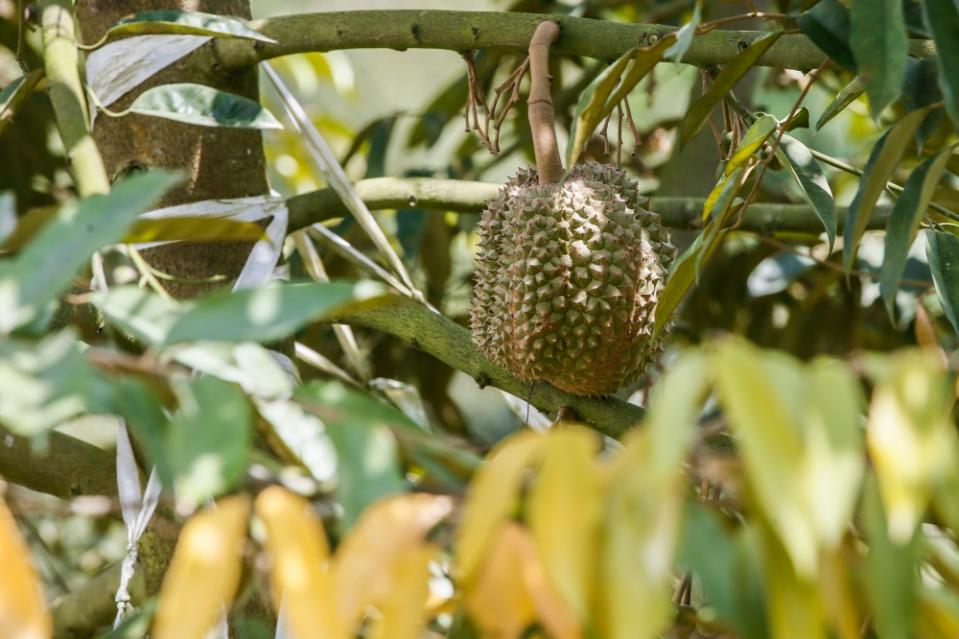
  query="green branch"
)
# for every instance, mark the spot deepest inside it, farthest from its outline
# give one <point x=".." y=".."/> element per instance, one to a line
<point x="62" y="466"/>
<point x="69" y="100"/>
<point x="471" y="197"/>
<point x="452" y="344"/>
<point x="471" y="30"/>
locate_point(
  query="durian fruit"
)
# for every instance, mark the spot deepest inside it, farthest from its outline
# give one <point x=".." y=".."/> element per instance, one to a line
<point x="567" y="279"/>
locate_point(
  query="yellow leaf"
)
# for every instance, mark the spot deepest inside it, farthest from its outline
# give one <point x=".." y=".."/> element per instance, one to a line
<point x="794" y="603"/>
<point x="386" y="532"/>
<point x="204" y="572"/>
<point x="402" y="612"/>
<point x="500" y="601"/>
<point x="911" y="438"/>
<point x="23" y="612"/>
<point x="564" y="514"/>
<point x="492" y="497"/>
<point x="643" y="516"/>
<point x="195" y="228"/>
<point x="839" y="604"/>
<point x="298" y="573"/>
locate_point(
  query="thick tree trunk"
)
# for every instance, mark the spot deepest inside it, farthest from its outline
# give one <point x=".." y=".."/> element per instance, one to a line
<point x="217" y="162"/>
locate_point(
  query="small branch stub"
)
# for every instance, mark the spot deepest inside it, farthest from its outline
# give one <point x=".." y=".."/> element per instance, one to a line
<point x="542" y="118"/>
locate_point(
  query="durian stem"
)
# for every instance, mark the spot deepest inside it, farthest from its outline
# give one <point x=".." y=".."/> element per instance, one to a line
<point x="542" y="117"/>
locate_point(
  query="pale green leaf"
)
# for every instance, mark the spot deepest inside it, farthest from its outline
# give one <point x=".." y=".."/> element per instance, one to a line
<point x="684" y="37"/>
<point x="796" y="157"/>
<point x="173" y="21"/>
<point x="203" y="106"/>
<point x="755" y="136"/>
<point x="141" y="313"/>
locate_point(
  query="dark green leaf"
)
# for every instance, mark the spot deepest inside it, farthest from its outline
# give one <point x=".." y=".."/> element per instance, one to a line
<point x="882" y="162"/>
<point x="881" y="46"/>
<point x="799" y="120"/>
<point x="811" y="179"/>
<point x="45" y="267"/>
<point x="845" y="97"/>
<point x="14" y="94"/>
<point x="48" y="382"/>
<point x="922" y="89"/>
<point x="891" y="570"/>
<point x="942" y="19"/>
<point x="203" y="106"/>
<point x="172" y="21"/>
<point x="699" y="111"/>
<point x="684" y="37"/>
<point x="827" y="25"/>
<point x="904" y="221"/>
<point x="942" y="252"/>
<point x="598" y="99"/>
<point x="271" y="312"/>
<point x="208" y="440"/>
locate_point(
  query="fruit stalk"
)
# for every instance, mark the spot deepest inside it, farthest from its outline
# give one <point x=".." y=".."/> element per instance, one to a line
<point x="542" y="118"/>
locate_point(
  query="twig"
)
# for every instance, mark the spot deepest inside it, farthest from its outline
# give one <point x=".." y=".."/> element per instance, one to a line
<point x="542" y="117"/>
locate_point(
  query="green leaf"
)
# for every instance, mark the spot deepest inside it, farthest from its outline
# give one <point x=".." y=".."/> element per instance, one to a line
<point x="827" y="25"/>
<point x="720" y="558"/>
<point x="795" y="156"/>
<point x="203" y="106"/>
<point x="757" y="133"/>
<point x="684" y="37"/>
<point x="46" y="266"/>
<point x="942" y="19"/>
<point x="48" y="382"/>
<point x="942" y="252"/>
<point x="368" y="465"/>
<point x="14" y="94"/>
<point x="595" y="102"/>
<point x="141" y="313"/>
<point x="881" y="46"/>
<point x="845" y="97"/>
<point x="891" y="570"/>
<point x="270" y="312"/>
<point x="699" y="111"/>
<point x="903" y="224"/>
<point x="171" y="21"/>
<point x="8" y="215"/>
<point x="882" y="162"/>
<point x="208" y="441"/>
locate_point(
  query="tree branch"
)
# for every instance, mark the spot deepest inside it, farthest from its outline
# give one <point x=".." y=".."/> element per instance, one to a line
<point x="69" y="100"/>
<point x="63" y="466"/>
<point x="452" y="344"/>
<point x="462" y="31"/>
<point x="471" y="197"/>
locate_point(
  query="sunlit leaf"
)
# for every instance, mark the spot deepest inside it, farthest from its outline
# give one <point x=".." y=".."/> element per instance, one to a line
<point x="402" y="613"/>
<point x="299" y="553"/>
<point x="271" y="312"/>
<point x="367" y="554"/>
<point x="942" y="19"/>
<point x="564" y="511"/>
<point x="47" y="382"/>
<point x="684" y="37"/>
<point x="879" y="168"/>
<point x="812" y="181"/>
<point x="794" y="605"/>
<point x="776" y="272"/>
<point x="891" y="569"/>
<point x="911" y="437"/>
<point x="735" y="69"/>
<point x="942" y="251"/>
<point x="140" y="312"/>
<point x="208" y="440"/>
<point x="755" y="136"/>
<point x="844" y="98"/>
<point x="23" y="612"/>
<point x="903" y="225"/>
<point x="205" y="571"/>
<point x="827" y="24"/>
<point x="606" y="91"/>
<point x="880" y="44"/>
<point x="172" y="21"/>
<point x="492" y="498"/>
<point x="32" y="280"/>
<point x="203" y="106"/>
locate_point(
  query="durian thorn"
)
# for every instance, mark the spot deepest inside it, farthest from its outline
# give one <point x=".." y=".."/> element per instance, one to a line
<point x="542" y="117"/>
